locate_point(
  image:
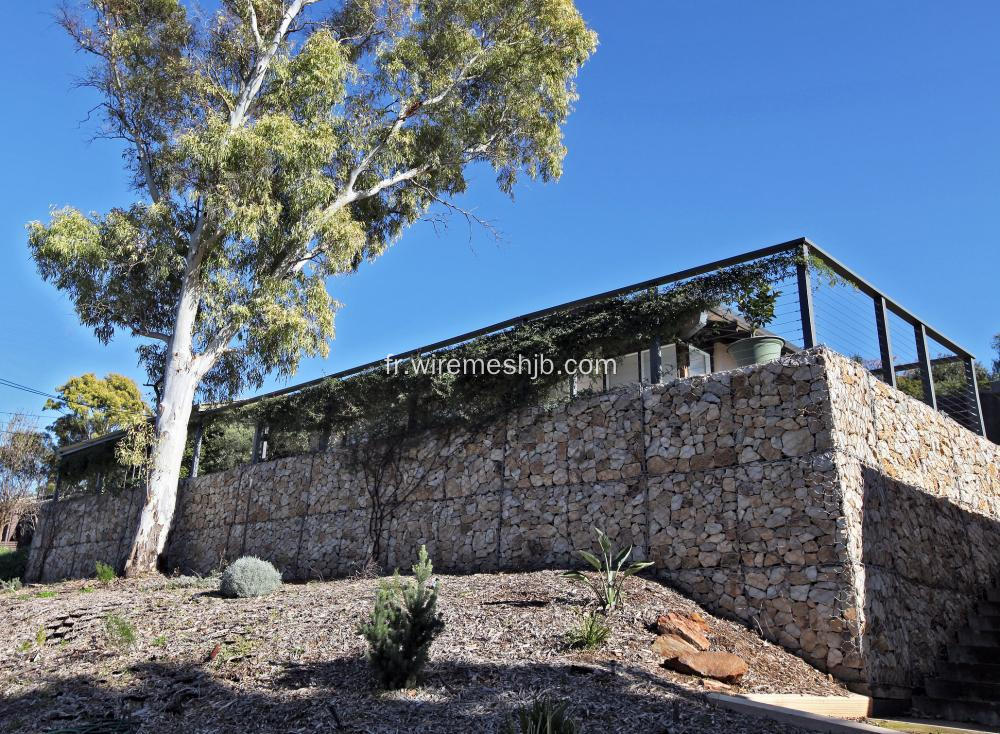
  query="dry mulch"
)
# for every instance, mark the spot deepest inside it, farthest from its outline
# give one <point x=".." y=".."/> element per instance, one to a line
<point x="293" y="661"/>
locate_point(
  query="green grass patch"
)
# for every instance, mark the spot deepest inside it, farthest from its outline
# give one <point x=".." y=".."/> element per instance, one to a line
<point x="45" y="594"/>
<point x="105" y="572"/>
<point x="120" y="631"/>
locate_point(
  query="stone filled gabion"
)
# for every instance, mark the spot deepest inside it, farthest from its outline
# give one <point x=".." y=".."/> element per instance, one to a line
<point x="249" y="576"/>
<point x="806" y="497"/>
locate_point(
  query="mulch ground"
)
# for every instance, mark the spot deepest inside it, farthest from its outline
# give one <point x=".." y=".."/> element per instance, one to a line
<point x="293" y="661"/>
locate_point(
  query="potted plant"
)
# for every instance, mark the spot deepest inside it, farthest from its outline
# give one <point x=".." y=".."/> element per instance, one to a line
<point x="756" y="305"/>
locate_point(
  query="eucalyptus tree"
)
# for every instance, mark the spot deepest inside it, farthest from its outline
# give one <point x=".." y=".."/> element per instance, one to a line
<point x="275" y="143"/>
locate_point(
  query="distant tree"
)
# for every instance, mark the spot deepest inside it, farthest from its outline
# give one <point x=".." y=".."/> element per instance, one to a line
<point x="275" y="143"/>
<point x="995" y="374"/>
<point x="950" y="380"/>
<point x="25" y="466"/>
<point x="94" y="406"/>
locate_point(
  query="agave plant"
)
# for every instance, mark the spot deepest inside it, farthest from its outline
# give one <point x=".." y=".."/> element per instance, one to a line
<point x="543" y="716"/>
<point x="611" y="571"/>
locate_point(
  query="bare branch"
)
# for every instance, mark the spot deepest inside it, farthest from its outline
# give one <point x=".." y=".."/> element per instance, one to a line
<point x="470" y="216"/>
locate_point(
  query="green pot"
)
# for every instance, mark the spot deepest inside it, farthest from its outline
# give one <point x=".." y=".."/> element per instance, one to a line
<point x="756" y="350"/>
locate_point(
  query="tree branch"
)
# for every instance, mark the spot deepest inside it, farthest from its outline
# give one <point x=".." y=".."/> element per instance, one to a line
<point x="253" y="25"/>
<point x="216" y="347"/>
<point x="148" y="334"/>
<point x="249" y="92"/>
<point x="405" y="112"/>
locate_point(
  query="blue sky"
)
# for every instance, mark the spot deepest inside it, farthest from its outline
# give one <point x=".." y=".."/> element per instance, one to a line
<point x="703" y="129"/>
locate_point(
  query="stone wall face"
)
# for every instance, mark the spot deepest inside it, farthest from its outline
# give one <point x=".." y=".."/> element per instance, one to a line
<point x="771" y="493"/>
<point x="922" y="507"/>
<point x="74" y="534"/>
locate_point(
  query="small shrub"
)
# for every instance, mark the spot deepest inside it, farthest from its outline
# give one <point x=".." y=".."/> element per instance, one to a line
<point x="45" y="594"/>
<point x="11" y="585"/>
<point x="13" y="563"/>
<point x="403" y="626"/>
<point x="542" y="717"/>
<point x="249" y="576"/>
<point x="239" y="648"/>
<point x="611" y="571"/>
<point x="589" y="632"/>
<point x="41" y="636"/>
<point x="159" y="641"/>
<point x="105" y="572"/>
<point x="120" y="631"/>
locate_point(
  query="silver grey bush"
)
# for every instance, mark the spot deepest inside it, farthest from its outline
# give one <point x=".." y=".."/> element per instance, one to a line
<point x="249" y="576"/>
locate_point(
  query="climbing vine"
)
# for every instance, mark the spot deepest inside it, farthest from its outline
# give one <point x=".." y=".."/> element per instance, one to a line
<point x="388" y="405"/>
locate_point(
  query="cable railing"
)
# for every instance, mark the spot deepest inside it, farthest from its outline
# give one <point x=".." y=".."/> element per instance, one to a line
<point x="822" y="303"/>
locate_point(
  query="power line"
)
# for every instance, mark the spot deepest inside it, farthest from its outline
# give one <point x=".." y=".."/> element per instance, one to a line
<point x="35" y="391"/>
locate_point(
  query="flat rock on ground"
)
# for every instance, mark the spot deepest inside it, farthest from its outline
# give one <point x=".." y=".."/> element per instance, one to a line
<point x="293" y="661"/>
<point x="723" y="666"/>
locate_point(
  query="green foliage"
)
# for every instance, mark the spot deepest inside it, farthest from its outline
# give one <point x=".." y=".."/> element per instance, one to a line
<point x="13" y="584"/>
<point x="395" y="405"/>
<point x="159" y="641"/>
<point x="105" y="572"/>
<point x="26" y="462"/>
<point x="40" y="637"/>
<point x="543" y="716"/>
<point x="611" y="570"/>
<point x="94" y="406"/>
<point x="590" y="632"/>
<point x="249" y="576"/>
<point x="12" y="563"/>
<point x="119" y="631"/>
<point x="47" y="594"/>
<point x="403" y="626"/>
<point x="950" y="380"/>
<point x="239" y="648"/>
<point x="995" y="374"/>
<point x="756" y="304"/>
<point x="257" y="187"/>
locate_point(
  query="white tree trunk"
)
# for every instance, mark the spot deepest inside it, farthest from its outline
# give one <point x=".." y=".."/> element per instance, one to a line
<point x="182" y="373"/>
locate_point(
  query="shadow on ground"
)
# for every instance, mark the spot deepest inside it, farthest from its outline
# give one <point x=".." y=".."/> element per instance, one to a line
<point x="337" y="696"/>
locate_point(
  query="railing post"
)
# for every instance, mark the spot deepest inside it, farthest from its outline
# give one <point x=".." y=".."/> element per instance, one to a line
<point x="884" y="341"/>
<point x="926" y="376"/>
<point x="806" y="299"/>
<point x="199" y="433"/>
<point x="655" y="367"/>
<point x="970" y="376"/>
<point x="259" y="443"/>
<point x="59" y="476"/>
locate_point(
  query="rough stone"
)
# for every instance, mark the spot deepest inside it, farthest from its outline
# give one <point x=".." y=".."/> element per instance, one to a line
<point x="684" y="627"/>
<point x="721" y="666"/>
<point x="670" y="646"/>
<point x="842" y="517"/>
